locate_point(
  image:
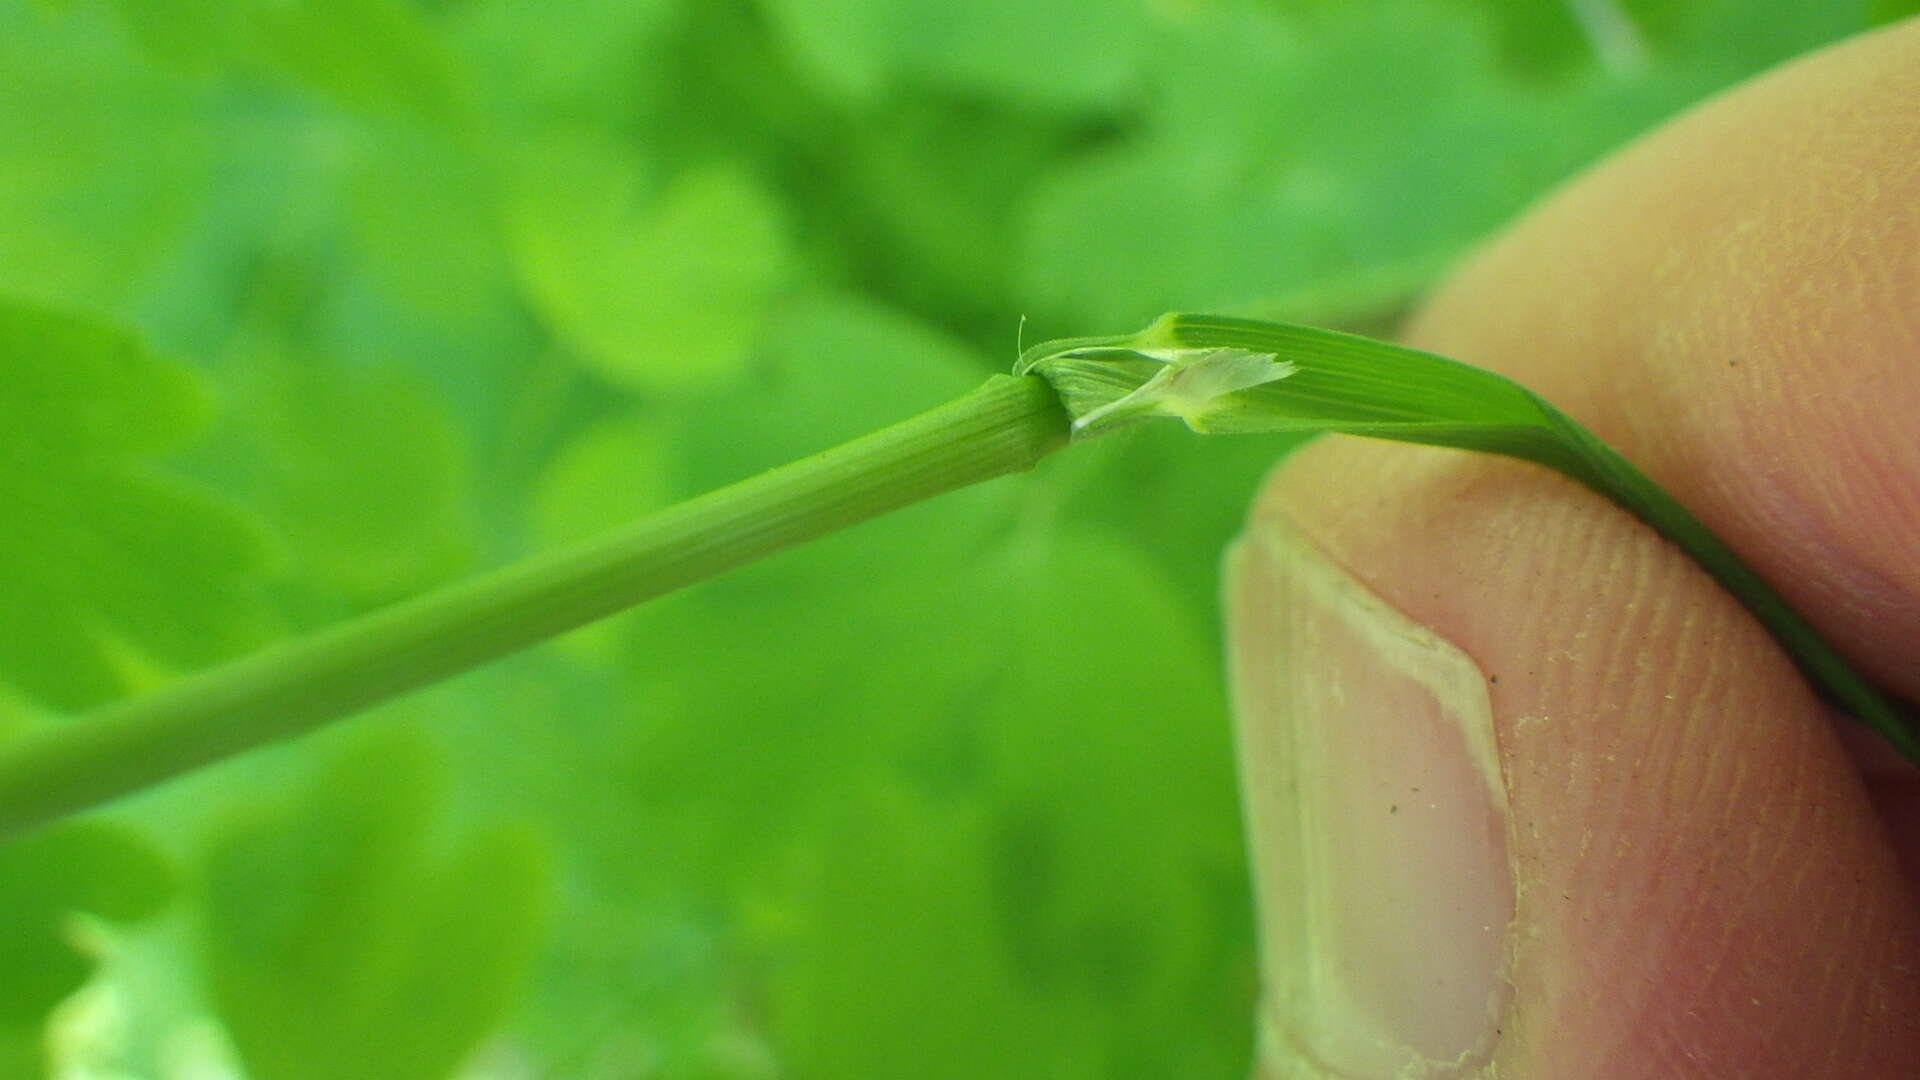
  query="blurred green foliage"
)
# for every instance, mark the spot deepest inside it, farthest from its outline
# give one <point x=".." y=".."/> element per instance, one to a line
<point x="108" y="566"/>
<point x="306" y="307"/>
<point x="375" y="959"/>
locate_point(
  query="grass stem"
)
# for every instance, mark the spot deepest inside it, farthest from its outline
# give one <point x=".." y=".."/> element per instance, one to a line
<point x="1003" y="427"/>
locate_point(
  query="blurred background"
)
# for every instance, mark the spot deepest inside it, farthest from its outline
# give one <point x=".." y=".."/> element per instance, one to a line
<point x="308" y="306"/>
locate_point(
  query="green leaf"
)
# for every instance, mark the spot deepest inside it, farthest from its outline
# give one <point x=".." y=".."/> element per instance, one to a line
<point x="1621" y="36"/>
<point x="195" y="37"/>
<point x="1326" y="166"/>
<point x="111" y="568"/>
<point x="857" y="47"/>
<point x="1104" y="737"/>
<point x="1054" y="732"/>
<point x="1281" y="163"/>
<point x="339" y="942"/>
<point x="379" y="56"/>
<point x="88" y="866"/>
<point x="897" y="965"/>
<point x="421" y="209"/>
<point x="534" y="65"/>
<point x="938" y="239"/>
<point x="845" y="45"/>
<point x="102" y="160"/>
<point x="611" y="473"/>
<point x="1724" y="38"/>
<point x="1886" y="11"/>
<point x="367" y="54"/>
<point x="736" y="736"/>
<point x="364" y="476"/>
<point x="661" y="295"/>
<point x="841" y="366"/>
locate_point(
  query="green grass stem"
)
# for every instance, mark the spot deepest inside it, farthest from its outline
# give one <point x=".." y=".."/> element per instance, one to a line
<point x="1004" y="427"/>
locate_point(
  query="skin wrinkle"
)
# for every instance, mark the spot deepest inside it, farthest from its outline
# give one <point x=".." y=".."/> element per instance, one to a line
<point x="1722" y="766"/>
<point x="1721" y="969"/>
<point x="1800" y="213"/>
<point x="1703" y="924"/>
<point x="1856" y="1013"/>
<point x="1648" y="930"/>
<point x="1723" y="976"/>
<point x="1706" y="949"/>
<point x="1714" y="952"/>
<point x="1838" y="985"/>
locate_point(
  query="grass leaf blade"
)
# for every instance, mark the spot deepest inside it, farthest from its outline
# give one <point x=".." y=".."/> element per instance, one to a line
<point x="1336" y="382"/>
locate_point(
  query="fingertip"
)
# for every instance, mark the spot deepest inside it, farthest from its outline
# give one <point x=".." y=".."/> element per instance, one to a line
<point x="1701" y="886"/>
<point x="1731" y="301"/>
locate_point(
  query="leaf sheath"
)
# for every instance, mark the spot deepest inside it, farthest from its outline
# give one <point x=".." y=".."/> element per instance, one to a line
<point x="1003" y="427"/>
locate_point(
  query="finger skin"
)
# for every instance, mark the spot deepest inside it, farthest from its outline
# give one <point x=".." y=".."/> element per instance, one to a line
<point x="1705" y="887"/>
<point x="1734" y="302"/>
<point x="1704" y="890"/>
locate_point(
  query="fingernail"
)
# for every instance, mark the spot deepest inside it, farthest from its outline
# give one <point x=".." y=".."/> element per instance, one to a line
<point x="1377" y="819"/>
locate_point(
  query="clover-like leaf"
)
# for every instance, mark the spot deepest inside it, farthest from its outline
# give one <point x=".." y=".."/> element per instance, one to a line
<point x="101" y="158"/>
<point x="342" y="943"/>
<point x="658" y="292"/>
<point x="365" y="477"/>
<point x="82" y="867"/>
<point x="112" y="568"/>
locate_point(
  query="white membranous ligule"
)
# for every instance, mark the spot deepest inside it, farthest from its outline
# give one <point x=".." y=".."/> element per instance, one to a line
<point x="1189" y="385"/>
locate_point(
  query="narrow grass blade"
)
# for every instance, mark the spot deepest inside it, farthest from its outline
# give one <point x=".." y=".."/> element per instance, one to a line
<point x="1231" y="375"/>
